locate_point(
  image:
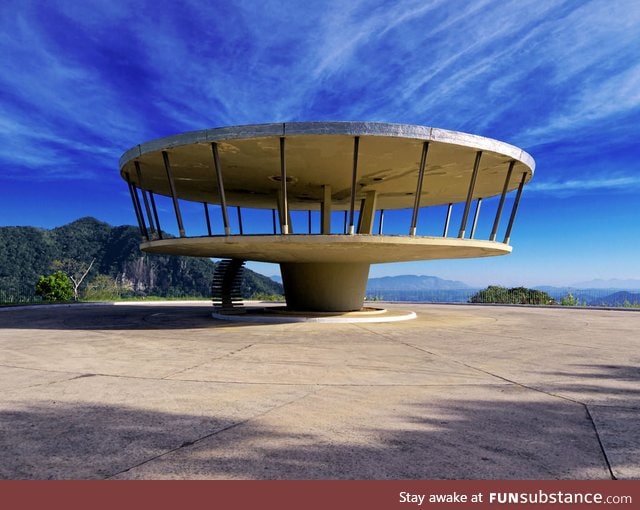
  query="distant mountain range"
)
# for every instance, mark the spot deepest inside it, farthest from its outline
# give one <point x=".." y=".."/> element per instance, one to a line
<point x="628" y="284"/>
<point x="432" y="283"/>
<point x="411" y="282"/>
<point x="407" y="282"/>
<point x="410" y="287"/>
<point x="620" y="298"/>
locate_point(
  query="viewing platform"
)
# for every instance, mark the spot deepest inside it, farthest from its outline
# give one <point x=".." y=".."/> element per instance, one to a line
<point x="342" y="177"/>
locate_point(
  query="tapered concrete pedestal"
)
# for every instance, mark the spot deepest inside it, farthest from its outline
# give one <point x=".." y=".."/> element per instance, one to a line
<point x="328" y="287"/>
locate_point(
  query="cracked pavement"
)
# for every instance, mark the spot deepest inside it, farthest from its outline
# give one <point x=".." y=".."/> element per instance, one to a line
<point x="161" y="390"/>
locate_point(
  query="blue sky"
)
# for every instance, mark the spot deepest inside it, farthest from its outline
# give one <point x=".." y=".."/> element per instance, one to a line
<point x="82" y="81"/>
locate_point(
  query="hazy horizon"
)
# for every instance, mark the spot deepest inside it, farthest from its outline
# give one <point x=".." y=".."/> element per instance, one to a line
<point x="613" y="284"/>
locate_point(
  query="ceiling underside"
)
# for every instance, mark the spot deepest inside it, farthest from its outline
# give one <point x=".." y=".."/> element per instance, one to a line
<point x="388" y="165"/>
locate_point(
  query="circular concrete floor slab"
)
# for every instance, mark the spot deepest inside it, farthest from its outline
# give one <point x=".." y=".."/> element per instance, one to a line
<point x="161" y="390"/>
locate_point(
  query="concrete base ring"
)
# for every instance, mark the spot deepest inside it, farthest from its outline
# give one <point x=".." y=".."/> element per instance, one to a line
<point x="280" y="315"/>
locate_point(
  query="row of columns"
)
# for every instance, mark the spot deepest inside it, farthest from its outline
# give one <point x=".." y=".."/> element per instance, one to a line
<point x="367" y="205"/>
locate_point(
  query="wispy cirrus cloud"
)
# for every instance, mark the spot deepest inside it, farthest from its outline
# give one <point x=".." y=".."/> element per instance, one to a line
<point x="611" y="97"/>
<point x="623" y="183"/>
<point x="97" y="79"/>
<point x="59" y="116"/>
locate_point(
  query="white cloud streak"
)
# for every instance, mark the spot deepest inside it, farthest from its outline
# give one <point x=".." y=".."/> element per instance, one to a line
<point x="527" y="71"/>
<point x="630" y="184"/>
<point x="57" y="107"/>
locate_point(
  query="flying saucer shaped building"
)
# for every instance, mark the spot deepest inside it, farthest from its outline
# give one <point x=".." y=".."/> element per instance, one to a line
<point x="357" y="169"/>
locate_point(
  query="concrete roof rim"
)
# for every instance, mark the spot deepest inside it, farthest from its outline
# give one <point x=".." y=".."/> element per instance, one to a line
<point x="202" y="136"/>
<point x="347" y="128"/>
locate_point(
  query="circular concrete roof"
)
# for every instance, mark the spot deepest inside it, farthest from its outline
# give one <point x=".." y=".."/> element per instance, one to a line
<point x="321" y="153"/>
<point x="367" y="249"/>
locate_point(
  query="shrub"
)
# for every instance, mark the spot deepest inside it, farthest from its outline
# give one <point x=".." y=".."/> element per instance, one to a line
<point x="261" y="296"/>
<point x="55" y="288"/>
<point x="102" y="288"/>
<point x="570" y="300"/>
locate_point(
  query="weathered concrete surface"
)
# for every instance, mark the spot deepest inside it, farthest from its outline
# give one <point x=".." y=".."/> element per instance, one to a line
<point x="163" y="391"/>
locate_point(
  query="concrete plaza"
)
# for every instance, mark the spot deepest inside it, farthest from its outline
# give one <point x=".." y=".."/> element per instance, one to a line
<point x="161" y="390"/>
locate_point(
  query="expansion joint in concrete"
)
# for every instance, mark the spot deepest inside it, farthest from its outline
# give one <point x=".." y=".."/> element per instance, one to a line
<point x="188" y="443"/>
<point x="75" y="376"/>
<point x="549" y="394"/>
<point x="602" y="449"/>
<point x="521" y="385"/>
<point x="209" y="360"/>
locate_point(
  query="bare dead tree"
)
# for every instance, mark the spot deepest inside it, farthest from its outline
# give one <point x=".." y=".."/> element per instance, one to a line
<point x="76" y="271"/>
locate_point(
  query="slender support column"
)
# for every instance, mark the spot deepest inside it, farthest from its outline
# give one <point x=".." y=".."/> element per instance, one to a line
<point x="467" y="205"/>
<point x="416" y="203"/>
<point x="345" y="222"/>
<point x="381" y="224"/>
<point x="309" y="220"/>
<point x="360" y="216"/>
<point x="367" y="213"/>
<point x="152" y="229"/>
<point x="283" y="182"/>
<point x="273" y="220"/>
<point x="507" y="236"/>
<point x="174" y="197"/>
<point x="240" y="220"/>
<point x="223" y="201"/>
<point x="325" y="210"/>
<point x="144" y="224"/>
<point x="206" y="216"/>
<point x="354" y="176"/>
<point x="136" y="206"/>
<point x="279" y="208"/>
<point x="136" y="198"/>
<point x="494" y="230"/>
<point x="285" y="218"/>
<point x="144" y="198"/>
<point x="447" y="220"/>
<point x="475" y="218"/>
<point x="155" y="214"/>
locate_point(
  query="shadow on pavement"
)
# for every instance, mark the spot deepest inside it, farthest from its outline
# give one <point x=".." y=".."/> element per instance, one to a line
<point x="494" y="439"/>
<point x="597" y="379"/>
<point x="120" y="317"/>
<point x="629" y="373"/>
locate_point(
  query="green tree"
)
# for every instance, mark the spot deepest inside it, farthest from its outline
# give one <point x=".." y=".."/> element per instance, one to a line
<point x="570" y="300"/>
<point x="56" y="287"/>
<point x="515" y="295"/>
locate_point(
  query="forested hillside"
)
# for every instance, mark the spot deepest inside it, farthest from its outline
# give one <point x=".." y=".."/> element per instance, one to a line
<point x="119" y="265"/>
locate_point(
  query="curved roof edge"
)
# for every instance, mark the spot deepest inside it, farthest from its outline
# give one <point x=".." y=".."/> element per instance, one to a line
<point x="330" y="128"/>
